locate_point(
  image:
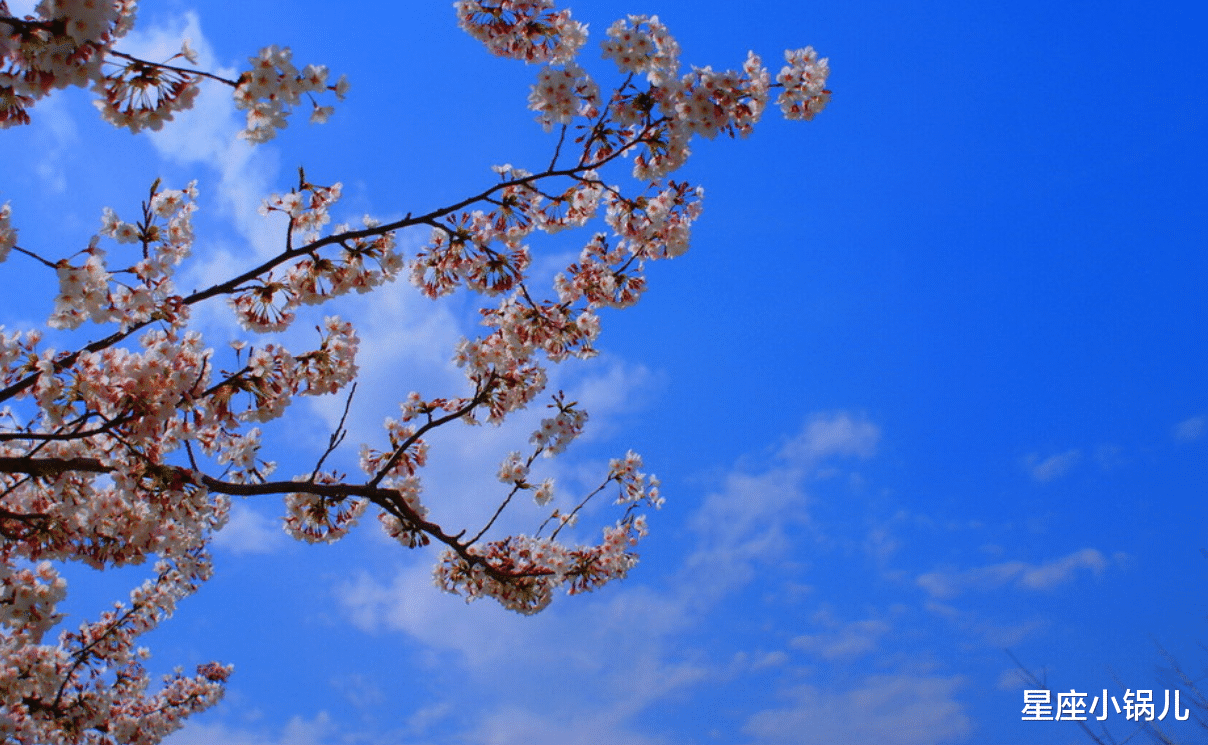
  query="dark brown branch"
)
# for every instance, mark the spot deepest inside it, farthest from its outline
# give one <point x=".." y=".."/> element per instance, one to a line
<point x="50" y="467"/>
<point x="35" y="257"/>
<point x="387" y="499"/>
<point x="337" y="436"/>
<point x="478" y="398"/>
<point x="173" y="68"/>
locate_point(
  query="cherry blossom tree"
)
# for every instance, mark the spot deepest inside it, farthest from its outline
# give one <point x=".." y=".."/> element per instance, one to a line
<point x="130" y="447"/>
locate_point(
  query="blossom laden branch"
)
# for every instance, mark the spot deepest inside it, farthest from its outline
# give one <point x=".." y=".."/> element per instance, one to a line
<point x="71" y="43"/>
<point x="133" y="445"/>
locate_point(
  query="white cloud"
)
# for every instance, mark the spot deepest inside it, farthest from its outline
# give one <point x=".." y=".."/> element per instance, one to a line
<point x="407" y="344"/>
<point x="1047" y="469"/>
<point x="990" y="632"/>
<point x="837" y="434"/>
<point x="1046" y="576"/>
<point x="741" y="525"/>
<point x="57" y="133"/>
<point x="1013" y="679"/>
<point x="736" y="528"/>
<point x="424" y="718"/>
<point x="770" y="659"/>
<point x="1060" y="571"/>
<point x="880" y="542"/>
<point x="482" y="632"/>
<point x="516" y="726"/>
<point x="744" y="523"/>
<point x="847" y="641"/>
<point x="577" y="673"/>
<point x="204" y="133"/>
<point x="249" y="532"/>
<point x="884" y="709"/>
<point x="363" y="692"/>
<point x="298" y="731"/>
<point x="1190" y="430"/>
<point x="613" y="387"/>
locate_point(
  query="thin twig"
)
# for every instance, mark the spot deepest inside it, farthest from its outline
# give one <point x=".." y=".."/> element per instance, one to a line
<point x="337" y="436"/>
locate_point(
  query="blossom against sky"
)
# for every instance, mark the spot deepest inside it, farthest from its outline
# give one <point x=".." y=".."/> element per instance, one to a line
<point x="928" y="385"/>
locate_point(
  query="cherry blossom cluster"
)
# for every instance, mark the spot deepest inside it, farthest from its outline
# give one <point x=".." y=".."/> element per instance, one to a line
<point x="84" y="20"/>
<point x="314" y="518"/>
<point x="522" y="572"/>
<point x="702" y="102"/>
<point x="308" y="208"/>
<point x="71" y="43"/>
<point x="138" y="95"/>
<point x="59" y="693"/>
<point x="560" y="95"/>
<point x="636" y="486"/>
<point x="660" y="226"/>
<point x="363" y="262"/>
<point x="29" y="597"/>
<point x="463" y="251"/>
<point x="575" y="206"/>
<point x="332" y="366"/>
<point x="274" y="375"/>
<point x="405" y="524"/>
<point x="558" y="431"/>
<point x="642" y="45"/>
<point x="91" y="682"/>
<point x="804" y="81"/>
<point x="514" y="469"/>
<point x="401" y="462"/>
<point x="727" y="101"/>
<point x="63" y="45"/>
<point x="109" y="420"/>
<point x="535" y="567"/>
<point x="130" y="448"/>
<point x="90" y="290"/>
<point x="274" y="86"/>
<point x="483" y="250"/>
<point x="529" y="30"/>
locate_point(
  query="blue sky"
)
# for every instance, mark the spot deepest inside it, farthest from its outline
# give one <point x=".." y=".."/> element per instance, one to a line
<point x="929" y="385"/>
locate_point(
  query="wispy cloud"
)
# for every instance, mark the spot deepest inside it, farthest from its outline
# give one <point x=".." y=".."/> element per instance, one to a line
<point x="990" y="632"/>
<point x="1046" y="469"/>
<point x="744" y="523"/>
<point x="1190" y="430"/>
<point x="299" y="731"/>
<point x="250" y="532"/>
<point x="58" y="133"/>
<point x="884" y="709"/>
<point x="845" y="641"/>
<point x="1023" y="575"/>
<point x="524" y="726"/>
<point x="741" y="526"/>
<point x="1060" y="571"/>
<point x="831" y="435"/>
